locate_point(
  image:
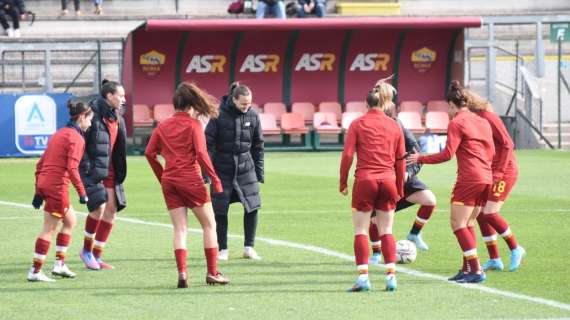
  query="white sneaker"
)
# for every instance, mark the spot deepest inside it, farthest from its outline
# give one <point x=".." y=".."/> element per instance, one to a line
<point x="224" y="255"/>
<point x="61" y="269"/>
<point x="249" y="253"/>
<point x="17" y="33"/>
<point x="39" y="276"/>
<point x="10" y="32"/>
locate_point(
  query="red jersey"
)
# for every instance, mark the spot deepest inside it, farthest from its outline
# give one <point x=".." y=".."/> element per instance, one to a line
<point x="181" y="141"/>
<point x="504" y="162"/>
<point x="470" y="137"/>
<point x="60" y="162"/>
<point x="379" y="144"/>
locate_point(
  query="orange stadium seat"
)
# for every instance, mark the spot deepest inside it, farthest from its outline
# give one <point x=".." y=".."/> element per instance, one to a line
<point x="293" y="123"/>
<point x="411" y="121"/>
<point x="163" y="111"/>
<point x="307" y="109"/>
<point x="437" y="121"/>
<point x="269" y="124"/>
<point x="414" y="106"/>
<point x="438" y="105"/>
<point x="356" y="106"/>
<point x="326" y="122"/>
<point x="275" y="108"/>
<point x="348" y="117"/>
<point x="331" y="106"/>
<point x="142" y="116"/>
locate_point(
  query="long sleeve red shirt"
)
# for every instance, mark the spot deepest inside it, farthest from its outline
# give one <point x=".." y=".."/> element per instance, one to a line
<point x="504" y="162"/>
<point x="60" y="162"/>
<point x="181" y="141"/>
<point x="379" y="144"/>
<point x="470" y="137"/>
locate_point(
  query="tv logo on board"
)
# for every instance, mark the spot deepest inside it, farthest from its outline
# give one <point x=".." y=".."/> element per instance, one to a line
<point x="208" y="63"/>
<point x="35" y="118"/>
<point x="151" y="62"/>
<point x="260" y="63"/>
<point x="423" y="59"/>
<point x="316" y="62"/>
<point x="370" y="62"/>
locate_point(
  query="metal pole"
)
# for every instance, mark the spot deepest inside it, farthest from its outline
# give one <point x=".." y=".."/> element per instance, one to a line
<point x="559" y="93"/>
<point x="539" y="50"/>
<point x="99" y="78"/>
<point x="491" y="64"/>
<point x="516" y="74"/>
<point x="49" y="79"/>
<point x="23" y="69"/>
<point x="177" y="5"/>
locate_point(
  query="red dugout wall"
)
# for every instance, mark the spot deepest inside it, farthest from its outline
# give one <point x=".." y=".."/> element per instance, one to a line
<point x="295" y="60"/>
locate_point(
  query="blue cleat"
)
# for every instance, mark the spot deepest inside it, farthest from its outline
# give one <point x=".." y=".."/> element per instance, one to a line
<point x="494" y="264"/>
<point x="417" y="239"/>
<point x="361" y="284"/>
<point x="391" y="283"/>
<point x="517" y="255"/>
<point x="89" y="260"/>
<point x="472" y="278"/>
<point x="376" y="258"/>
<point x="460" y="274"/>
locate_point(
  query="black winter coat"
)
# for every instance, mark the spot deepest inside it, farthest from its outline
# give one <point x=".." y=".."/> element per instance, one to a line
<point x="411" y="147"/>
<point x="235" y="145"/>
<point x="94" y="166"/>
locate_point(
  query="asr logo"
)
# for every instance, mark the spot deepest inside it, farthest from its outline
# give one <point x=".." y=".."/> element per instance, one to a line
<point x="423" y="59"/>
<point x="370" y="62"/>
<point x="316" y="62"/>
<point x="260" y="63"/>
<point x="209" y="63"/>
<point x="152" y="62"/>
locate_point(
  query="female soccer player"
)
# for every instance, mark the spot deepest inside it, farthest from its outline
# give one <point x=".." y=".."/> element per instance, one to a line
<point x="471" y="138"/>
<point x="378" y="143"/>
<point x="235" y="144"/>
<point x="58" y="165"/>
<point x="415" y="192"/>
<point x="180" y="140"/>
<point x="505" y="172"/>
<point x="103" y="171"/>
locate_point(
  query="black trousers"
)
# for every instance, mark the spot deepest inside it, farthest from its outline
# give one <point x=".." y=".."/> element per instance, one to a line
<point x="249" y="229"/>
<point x="76" y="4"/>
<point x="13" y="13"/>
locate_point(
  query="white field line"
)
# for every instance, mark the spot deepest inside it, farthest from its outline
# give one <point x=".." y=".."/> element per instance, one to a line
<point x="343" y="256"/>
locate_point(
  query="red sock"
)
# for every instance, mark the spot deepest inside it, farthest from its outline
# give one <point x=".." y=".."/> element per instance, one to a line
<point x="389" y="251"/>
<point x="502" y="227"/>
<point x="374" y="238"/>
<point x="473" y="235"/>
<point x="101" y="237"/>
<point x="361" y="252"/>
<point x="422" y="217"/>
<point x="212" y="260"/>
<point x="489" y="236"/>
<point x="61" y="245"/>
<point x="467" y="244"/>
<point x="180" y="255"/>
<point x="40" y="252"/>
<point x="90" y="228"/>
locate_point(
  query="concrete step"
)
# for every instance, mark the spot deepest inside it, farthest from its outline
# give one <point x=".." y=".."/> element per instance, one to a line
<point x="552" y="128"/>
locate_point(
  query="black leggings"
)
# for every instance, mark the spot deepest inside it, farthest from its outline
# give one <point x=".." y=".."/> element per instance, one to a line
<point x="64" y="4"/>
<point x="14" y="13"/>
<point x="249" y="229"/>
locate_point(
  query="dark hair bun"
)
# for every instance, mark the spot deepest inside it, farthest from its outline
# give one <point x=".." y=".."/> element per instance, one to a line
<point x="104" y="82"/>
<point x="76" y="108"/>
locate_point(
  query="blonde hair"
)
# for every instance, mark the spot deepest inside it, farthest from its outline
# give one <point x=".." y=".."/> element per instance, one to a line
<point x="385" y="91"/>
<point x="476" y="103"/>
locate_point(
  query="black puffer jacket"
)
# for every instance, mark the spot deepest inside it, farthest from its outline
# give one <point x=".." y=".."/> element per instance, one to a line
<point x="411" y="147"/>
<point x="235" y="145"/>
<point x="94" y="166"/>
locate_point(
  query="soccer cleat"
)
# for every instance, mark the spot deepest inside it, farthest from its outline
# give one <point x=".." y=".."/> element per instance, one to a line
<point x="218" y="278"/>
<point x="10" y="33"/>
<point x="493" y="264"/>
<point x="249" y="253"/>
<point x="104" y="265"/>
<point x="182" y="281"/>
<point x="38" y="276"/>
<point x="224" y="254"/>
<point x="391" y="283"/>
<point x="517" y="255"/>
<point x="61" y="269"/>
<point x="472" y="278"/>
<point x="417" y="239"/>
<point x="89" y="260"/>
<point x="17" y="33"/>
<point x="460" y="274"/>
<point x="376" y="258"/>
<point x="361" y="284"/>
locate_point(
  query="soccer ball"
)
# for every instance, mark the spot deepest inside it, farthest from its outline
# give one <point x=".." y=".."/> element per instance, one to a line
<point x="406" y="251"/>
